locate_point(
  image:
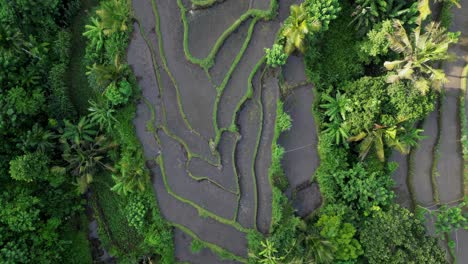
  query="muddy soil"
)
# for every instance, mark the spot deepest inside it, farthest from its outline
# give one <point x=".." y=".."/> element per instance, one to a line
<point x="423" y="160"/>
<point x="184" y="255"/>
<point x="176" y="112"/>
<point x="400" y="176"/>
<point x="269" y="98"/>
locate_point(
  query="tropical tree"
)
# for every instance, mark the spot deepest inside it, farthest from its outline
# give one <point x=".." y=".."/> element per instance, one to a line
<point x="106" y="74"/>
<point x="102" y="114"/>
<point x="268" y="254"/>
<point x="11" y="39"/>
<point x="38" y="139"/>
<point x="86" y="158"/>
<point x="420" y="51"/>
<point x="296" y="29"/>
<point x="336" y="108"/>
<point x="395" y="137"/>
<point x="317" y="248"/>
<point x="114" y="15"/>
<point x="337" y="130"/>
<point x="80" y="133"/>
<point x="370" y="12"/>
<point x="95" y="33"/>
<point x="130" y="176"/>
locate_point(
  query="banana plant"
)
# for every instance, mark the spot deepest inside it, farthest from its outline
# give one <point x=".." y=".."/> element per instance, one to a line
<point x="396" y="137"/>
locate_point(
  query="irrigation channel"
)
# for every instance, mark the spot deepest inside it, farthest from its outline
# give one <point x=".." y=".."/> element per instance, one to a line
<point x="207" y="114"/>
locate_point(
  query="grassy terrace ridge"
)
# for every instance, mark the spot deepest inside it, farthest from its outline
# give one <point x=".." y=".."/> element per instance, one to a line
<point x="204" y="3"/>
<point x="223" y="253"/>
<point x="464" y="129"/>
<point x="208" y="62"/>
<point x="163" y="127"/>
<point x="232" y="128"/>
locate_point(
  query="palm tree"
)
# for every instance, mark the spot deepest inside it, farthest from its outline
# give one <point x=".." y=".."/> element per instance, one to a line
<point x="13" y="40"/>
<point x="296" y="29"/>
<point x="337" y="130"/>
<point x="395" y="137"/>
<point x="370" y="12"/>
<point x="38" y="139"/>
<point x="95" y="33"/>
<point x="86" y="158"/>
<point x="337" y="107"/>
<point x="105" y="74"/>
<point x="78" y="134"/>
<point x="102" y="115"/>
<point x="114" y="16"/>
<point x="419" y="52"/>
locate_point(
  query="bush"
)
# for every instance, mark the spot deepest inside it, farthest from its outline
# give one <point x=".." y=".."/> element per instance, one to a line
<point x="396" y="236"/>
<point x="334" y="58"/>
<point x="135" y="211"/>
<point x="276" y="56"/>
<point x="62" y="46"/>
<point x="341" y="235"/>
<point x="118" y="94"/>
<point x="26" y="102"/>
<point x="29" y="167"/>
<point x="376" y="43"/>
<point x="364" y="190"/>
<point x="323" y="10"/>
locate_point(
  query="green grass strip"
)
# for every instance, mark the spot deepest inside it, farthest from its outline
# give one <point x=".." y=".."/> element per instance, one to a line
<point x="436" y="152"/>
<point x="208" y="62"/>
<point x="203" y="3"/>
<point x="223" y="253"/>
<point x="220" y="89"/>
<point x="150" y="127"/>
<point x="186" y="122"/>
<point x="164" y="126"/>
<point x="464" y="130"/>
<point x="166" y="68"/>
<point x="201" y="211"/>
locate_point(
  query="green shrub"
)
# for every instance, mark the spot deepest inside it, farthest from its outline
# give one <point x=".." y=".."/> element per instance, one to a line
<point x="29" y="167"/>
<point x="376" y="43"/>
<point x="25" y="102"/>
<point x="334" y="57"/>
<point x="276" y="56"/>
<point x="397" y="236"/>
<point x="136" y="211"/>
<point x="118" y="94"/>
<point x="322" y="10"/>
<point x="364" y="190"/>
<point x="341" y="236"/>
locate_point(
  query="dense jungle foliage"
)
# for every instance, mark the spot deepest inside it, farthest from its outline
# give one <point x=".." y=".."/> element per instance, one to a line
<point x="53" y="152"/>
<point x="67" y="156"/>
<point x="374" y="84"/>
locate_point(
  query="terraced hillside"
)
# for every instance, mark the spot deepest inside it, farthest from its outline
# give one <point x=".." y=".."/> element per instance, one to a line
<point x="207" y="118"/>
<point x="437" y="168"/>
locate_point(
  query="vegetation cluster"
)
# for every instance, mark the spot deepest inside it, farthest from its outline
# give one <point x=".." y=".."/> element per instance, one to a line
<point x="372" y="85"/>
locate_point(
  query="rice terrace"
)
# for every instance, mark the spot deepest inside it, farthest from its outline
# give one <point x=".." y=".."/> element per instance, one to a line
<point x="234" y="131"/>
